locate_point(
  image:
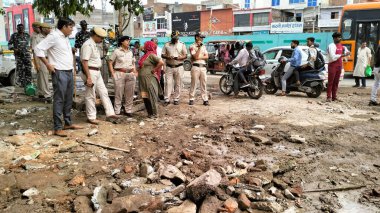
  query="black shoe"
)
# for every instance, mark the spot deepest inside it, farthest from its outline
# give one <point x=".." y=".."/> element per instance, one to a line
<point x="166" y="103"/>
<point x="373" y="103"/>
<point x="176" y="103"/>
<point x="244" y="86"/>
<point x="206" y="103"/>
<point x="128" y="114"/>
<point x="191" y="102"/>
<point x="356" y="86"/>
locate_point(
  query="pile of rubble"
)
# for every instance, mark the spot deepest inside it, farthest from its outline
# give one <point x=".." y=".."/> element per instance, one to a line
<point x="157" y="187"/>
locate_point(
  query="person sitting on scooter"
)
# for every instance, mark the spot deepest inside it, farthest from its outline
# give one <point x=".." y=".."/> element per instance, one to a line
<point x="243" y="58"/>
<point x="295" y="62"/>
<point x="312" y="56"/>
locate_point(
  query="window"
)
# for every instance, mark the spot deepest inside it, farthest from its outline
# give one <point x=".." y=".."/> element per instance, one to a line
<point x="161" y="23"/>
<point x="334" y="15"/>
<point x="260" y="19"/>
<point x="298" y="17"/>
<point x="275" y="2"/>
<point x="270" y="55"/>
<point x="296" y="1"/>
<point x="312" y="3"/>
<point x="347" y="29"/>
<point x="242" y="20"/>
<point x="247" y="4"/>
<point x="287" y="53"/>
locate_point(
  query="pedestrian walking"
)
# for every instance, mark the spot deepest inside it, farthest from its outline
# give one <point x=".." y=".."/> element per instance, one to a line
<point x="20" y="44"/>
<point x="376" y="73"/>
<point x="91" y="63"/>
<point x="174" y="52"/>
<point x="335" y="52"/>
<point x="199" y="56"/>
<point x="363" y="60"/>
<point x="148" y="83"/>
<point x="43" y="91"/>
<point x="59" y="62"/>
<point x="123" y="72"/>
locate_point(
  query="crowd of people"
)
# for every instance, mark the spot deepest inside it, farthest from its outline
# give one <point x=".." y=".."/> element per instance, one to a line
<point x="54" y="55"/>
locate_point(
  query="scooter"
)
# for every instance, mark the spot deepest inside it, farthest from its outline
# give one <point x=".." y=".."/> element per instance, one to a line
<point x="231" y="82"/>
<point x="311" y="81"/>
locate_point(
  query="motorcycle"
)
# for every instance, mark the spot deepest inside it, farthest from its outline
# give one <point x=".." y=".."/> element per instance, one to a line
<point x="311" y="81"/>
<point x="231" y="82"/>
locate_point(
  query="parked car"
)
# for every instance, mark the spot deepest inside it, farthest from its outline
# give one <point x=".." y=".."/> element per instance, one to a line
<point x="7" y="70"/>
<point x="273" y="54"/>
<point x="8" y="75"/>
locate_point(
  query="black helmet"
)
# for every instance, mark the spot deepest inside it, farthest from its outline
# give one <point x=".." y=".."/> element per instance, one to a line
<point x="282" y="58"/>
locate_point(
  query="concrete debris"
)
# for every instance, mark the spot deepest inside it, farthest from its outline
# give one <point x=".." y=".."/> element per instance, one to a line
<point x="259" y="127"/>
<point x="30" y="192"/>
<point x="20" y="132"/>
<point x="185" y="207"/>
<point x="297" y="139"/>
<point x="92" y="132"/>
<point x="203" y="185"/>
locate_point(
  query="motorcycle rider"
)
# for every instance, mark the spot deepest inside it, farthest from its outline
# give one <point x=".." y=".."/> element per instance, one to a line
<point x="244" y="56"/>
<point x="295" y="62"/>
<point x="312" y="57"/>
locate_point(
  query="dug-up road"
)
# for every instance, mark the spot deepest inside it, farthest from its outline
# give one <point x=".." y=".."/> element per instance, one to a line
<point x="275" y="154"/>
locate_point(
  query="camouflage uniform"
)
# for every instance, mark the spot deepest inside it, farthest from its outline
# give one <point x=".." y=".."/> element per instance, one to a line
<point x="80" y="38"/>
<point x="21" y="44"/>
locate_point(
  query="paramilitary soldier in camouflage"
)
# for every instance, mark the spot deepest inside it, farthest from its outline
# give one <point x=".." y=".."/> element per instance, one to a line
<point x="20" y="44"/>
<point x="81" y="36"/>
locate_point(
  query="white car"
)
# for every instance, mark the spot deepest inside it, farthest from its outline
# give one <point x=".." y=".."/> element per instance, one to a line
<point x="7" y="70"/>
<point x="273" y="54"/>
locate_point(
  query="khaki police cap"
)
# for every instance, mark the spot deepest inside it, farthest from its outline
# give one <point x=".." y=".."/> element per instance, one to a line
<point x="36" y="24"/>
<point x="45" y="25"/>
<point x="100" y="32"/>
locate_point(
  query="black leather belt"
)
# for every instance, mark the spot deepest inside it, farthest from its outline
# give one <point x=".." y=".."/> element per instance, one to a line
<point x="64" y="70"/>
<point x="199" y="65"/>
<point x="174" y="66"/>
<point x="94" y="68"/>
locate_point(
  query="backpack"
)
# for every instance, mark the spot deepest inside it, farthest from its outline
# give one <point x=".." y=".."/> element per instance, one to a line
<point x="319" y="61"/>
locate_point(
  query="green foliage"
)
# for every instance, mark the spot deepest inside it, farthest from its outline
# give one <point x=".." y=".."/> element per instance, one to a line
<point x="126" y="9"/>
<point x="2" y="11"/>
<point x="63" y="8"/>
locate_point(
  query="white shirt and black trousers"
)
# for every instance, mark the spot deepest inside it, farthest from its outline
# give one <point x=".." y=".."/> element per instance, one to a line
<point x="60" y="56"/>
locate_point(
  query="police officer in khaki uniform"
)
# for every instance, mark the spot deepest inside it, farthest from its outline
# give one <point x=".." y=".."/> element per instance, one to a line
<point x="199" y="56"/>
<point x="175" y="53"/>
<point x="43" y="73"/>
<point x="123" y="71"/>
<point x="92" y="77"/>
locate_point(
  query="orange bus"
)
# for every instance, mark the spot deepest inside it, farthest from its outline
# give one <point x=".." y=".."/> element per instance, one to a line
<point x="359" y="23"/>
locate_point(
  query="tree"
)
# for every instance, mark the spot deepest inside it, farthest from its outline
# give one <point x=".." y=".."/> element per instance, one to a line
<point x="63" y="8"/>
<point x="126" y="8"/>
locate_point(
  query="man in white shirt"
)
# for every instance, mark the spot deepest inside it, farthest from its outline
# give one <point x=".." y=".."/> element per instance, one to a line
<point x="242" y="59"/>
<point x="161" y="74"/>
<point x="59" y="62"/>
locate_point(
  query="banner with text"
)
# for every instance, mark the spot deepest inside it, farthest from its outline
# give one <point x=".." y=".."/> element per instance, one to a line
<point x="286" y="27"/>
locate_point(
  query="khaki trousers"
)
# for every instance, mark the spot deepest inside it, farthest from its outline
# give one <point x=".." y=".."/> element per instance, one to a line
<point x="90" y="96"/>
<point x="173" y="78"/>
<point x="124" y="86"/>
<point x="198" y="73"/>
<point x="43" y="80"/>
